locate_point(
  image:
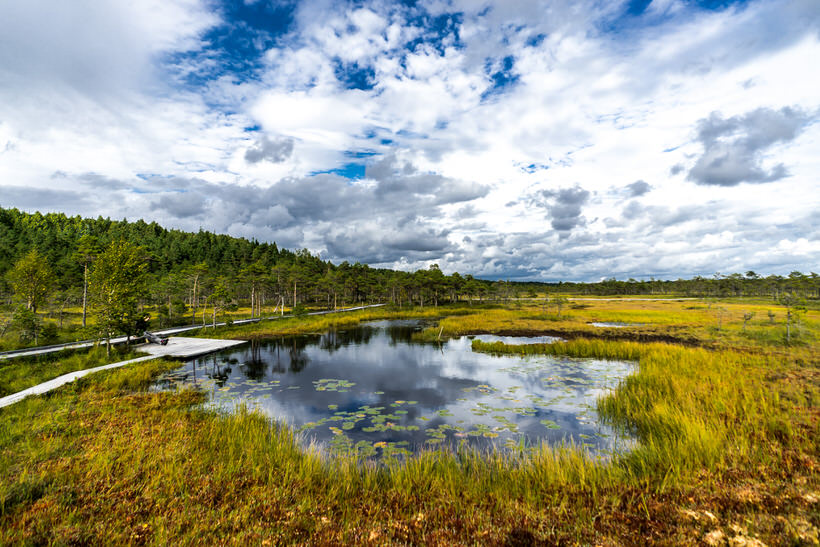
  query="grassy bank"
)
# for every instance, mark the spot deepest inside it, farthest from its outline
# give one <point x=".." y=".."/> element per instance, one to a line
<point x="323" y="323"/>
<point x="728" y="445"/>
<point x="713" y="324"/>
<point x="23" y="372"/>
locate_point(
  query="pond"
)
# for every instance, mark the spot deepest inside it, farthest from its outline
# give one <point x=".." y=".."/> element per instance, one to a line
<point x="374" y="391"/>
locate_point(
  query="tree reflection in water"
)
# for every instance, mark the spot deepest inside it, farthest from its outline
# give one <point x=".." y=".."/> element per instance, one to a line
<point x="220" y="371"/>
<point x="255" y="367"/>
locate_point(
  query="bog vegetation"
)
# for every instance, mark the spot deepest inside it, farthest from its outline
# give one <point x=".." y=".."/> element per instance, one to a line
<point x="724" y="403"/>
<point x="726" y="422"/>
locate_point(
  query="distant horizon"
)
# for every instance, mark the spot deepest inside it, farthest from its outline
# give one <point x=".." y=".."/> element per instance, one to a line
<point x="638" y="278"/>
<point x="543" y="140"/>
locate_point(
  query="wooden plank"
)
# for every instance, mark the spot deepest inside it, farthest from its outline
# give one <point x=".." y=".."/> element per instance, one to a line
<point x="177" y="347"/>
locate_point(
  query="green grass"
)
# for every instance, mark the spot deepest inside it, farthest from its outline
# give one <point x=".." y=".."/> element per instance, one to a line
<point x="323" y="323"/>
<point x="730" y="432"/>
<point x="21" y="373"/>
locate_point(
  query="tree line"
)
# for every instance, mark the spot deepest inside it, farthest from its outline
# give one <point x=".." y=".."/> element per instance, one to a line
<point x="132" y="275"/>
<point x="122" y="272"/>
<point x="717" y="286"/>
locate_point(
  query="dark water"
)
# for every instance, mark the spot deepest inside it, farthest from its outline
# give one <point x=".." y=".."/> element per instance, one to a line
<point x="373" y="390"/>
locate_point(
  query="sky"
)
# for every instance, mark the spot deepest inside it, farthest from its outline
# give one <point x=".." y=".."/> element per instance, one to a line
<point x="509" y="139"/>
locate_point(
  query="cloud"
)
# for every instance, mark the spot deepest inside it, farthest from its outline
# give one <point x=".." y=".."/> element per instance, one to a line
<point x="42" y="199"/>
<point x="396" y="178"/>
<point x="733" y="147"/>
<point x="564" y="207"/>
<point x="181" y="205"/>
<point x="420" y="239"/>
<point x="275" y="151"/>
<point x="638" y="188"/>
<point x="234" y="119"/>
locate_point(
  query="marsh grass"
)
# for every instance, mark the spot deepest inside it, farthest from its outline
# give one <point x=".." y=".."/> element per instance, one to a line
<point x="23" y="372"/>
<point x="734" y="433"/>
<point x="323" y="323"/>
<point x="687" y="406"/>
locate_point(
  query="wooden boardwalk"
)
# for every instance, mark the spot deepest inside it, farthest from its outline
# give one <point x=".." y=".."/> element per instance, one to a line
<point x="184" y="348"/>
<point x="41" y="350"/>
<point x="177" y="347"/>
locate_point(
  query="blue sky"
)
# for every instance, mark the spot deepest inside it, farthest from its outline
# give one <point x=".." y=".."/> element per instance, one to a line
<point x="526" y="139"/>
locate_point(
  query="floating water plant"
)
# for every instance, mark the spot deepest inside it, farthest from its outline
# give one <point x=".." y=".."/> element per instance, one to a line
<point x="479" y="400"/>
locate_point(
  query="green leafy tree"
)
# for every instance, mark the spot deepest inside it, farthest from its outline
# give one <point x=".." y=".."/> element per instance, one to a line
<point x="330" y="285"/>
<point x="32" y="280"/>
<point x="219" y="298"/>
<point x="117" y="282"/>
<point x="436" y="282"/>
<point x="27" y="325"/>
<point x="254" y="277"/>
<point x="472" y="287"/>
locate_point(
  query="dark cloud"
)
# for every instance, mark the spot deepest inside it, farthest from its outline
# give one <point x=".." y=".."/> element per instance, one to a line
<point x="564" y="206"/>
<point x="417" y="240"/>
<point x="732" y="147"/>
<point x="324" y="197"/>
<point x="380" y="243"/>
<point x="676" y="169"/>
<point x="43" y="199"/>
<point x="638" y="188"/>
<point x="396" y="180"/>
<point x="397" y="219"/>
<point x="181" y="204"/>
<point x="95" y="180"/>
<point x="274" y="151"/>
<point x="386" y="167"/>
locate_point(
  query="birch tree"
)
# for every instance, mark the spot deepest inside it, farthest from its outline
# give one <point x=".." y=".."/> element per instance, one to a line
<point x="117" y="282"/>
<point x="32" y="280"/>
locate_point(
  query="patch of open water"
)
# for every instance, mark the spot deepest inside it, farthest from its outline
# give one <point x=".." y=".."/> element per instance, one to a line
<point x="373" y="390"/>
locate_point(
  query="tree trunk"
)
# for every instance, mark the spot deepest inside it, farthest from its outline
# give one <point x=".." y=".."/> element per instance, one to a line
<point x="788" y="326"/>
<point x="193" y="302"/>
<point x="62" y="307"/>
<point x="85" y="292"/>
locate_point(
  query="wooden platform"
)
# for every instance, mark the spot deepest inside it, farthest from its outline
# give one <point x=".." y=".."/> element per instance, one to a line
<point x="177" y="347"/>
<point x="180" y="347"/>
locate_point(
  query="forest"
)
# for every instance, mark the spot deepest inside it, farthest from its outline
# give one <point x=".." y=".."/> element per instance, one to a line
<point x="55" y="268"/>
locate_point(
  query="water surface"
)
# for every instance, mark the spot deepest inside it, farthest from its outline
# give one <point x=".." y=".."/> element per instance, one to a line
<point x="373" y="390"/>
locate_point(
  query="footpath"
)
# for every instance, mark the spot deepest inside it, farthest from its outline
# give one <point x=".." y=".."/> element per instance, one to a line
<point x="177" y="347"/>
